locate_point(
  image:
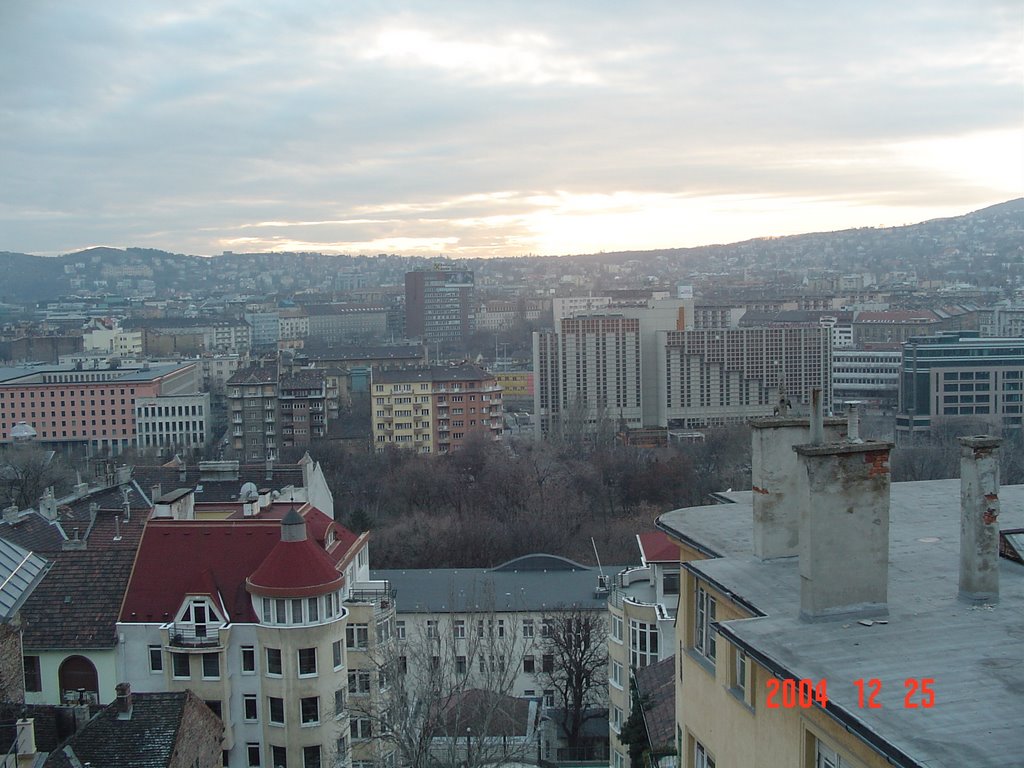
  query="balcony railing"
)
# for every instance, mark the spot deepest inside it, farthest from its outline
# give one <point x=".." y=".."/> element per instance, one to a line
<point x="194" y="635"/>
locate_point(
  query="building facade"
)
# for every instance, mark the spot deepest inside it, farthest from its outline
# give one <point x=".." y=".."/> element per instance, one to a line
<point x="871" y="376"/>
<point x="440" y="305"/>
<point x="434" y="409"/>
<point x="173" y="422"/>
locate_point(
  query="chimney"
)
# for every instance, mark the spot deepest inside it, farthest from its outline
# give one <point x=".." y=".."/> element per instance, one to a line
<point x="293" y="526"/>
<point x="123" y="474"/>
<point x="124" y="701"/>
<point x="11" y="516"/>
<point x="155" y="492"/>
<point x="26" y="737"/>
<point x="74" y="543"/>
<point x="979" y="519"/>
<point x="182" y="473"/>
<point x="776" y="481"/>
<point x="48" y="505"/>
<point x="844" y="529"/>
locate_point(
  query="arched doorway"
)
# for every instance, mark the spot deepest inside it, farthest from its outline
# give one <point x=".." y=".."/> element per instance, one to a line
<point x="76" y="674"/>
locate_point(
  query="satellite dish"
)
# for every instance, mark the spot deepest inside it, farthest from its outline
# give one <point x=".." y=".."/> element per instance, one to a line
<point x="249" y="491"/>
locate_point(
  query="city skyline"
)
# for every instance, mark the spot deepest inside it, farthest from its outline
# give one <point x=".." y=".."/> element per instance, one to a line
<point x="508" y="130"/>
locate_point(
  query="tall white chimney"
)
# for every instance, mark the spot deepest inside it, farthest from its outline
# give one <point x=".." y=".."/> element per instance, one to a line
<point x="979" y="519"/>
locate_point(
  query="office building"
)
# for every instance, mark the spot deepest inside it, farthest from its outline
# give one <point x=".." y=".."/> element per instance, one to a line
<point x="870" y="376"/>
<point x="440" y="305"/>
<point x="173" y="423"/>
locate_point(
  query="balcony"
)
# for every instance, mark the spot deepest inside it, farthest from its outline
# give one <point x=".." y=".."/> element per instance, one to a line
<point x="236" y="419"/>
<point x="193" y="636"/>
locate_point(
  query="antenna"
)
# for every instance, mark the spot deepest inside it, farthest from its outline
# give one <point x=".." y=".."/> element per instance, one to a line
<point x="599" y="567"/>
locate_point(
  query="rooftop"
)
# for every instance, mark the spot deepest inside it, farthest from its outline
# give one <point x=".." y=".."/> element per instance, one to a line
<point x="972" y="652"/>
<point x="439" y="373"/>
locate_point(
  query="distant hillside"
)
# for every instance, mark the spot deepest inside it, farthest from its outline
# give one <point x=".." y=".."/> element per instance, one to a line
<point x="977" y="245"/>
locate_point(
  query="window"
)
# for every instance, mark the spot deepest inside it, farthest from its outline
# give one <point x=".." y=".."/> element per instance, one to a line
<point x="527" y="627"/>
<point x="431" y="628"/>
<point x="549" y="697"/>
<point x="33" y="675"/>
<point x="275" y="708"/>
<point x="336" y="654"/>
<point x="528" y="664"/>
<point x="156" y="661"/>
<point x="211" y="666"/>
<point x="459" y="629"/>
<point x="359" y="682"/>
<point x="739" y="672"/>
<point x="617" y="628"/>
<point x="618" y="761"/>
<point x="701" y="758"/>
<point x="311" y="757"/>
<point x="360" y="727"/>
<point x="826" y="757"/>
<point x="339" y="702"/>
<point x="643" y="643"/>
<point x="616" y="718"/>
<point x="670" y="583"/>
<point x="307" y="662"/>
<point x="547" y="627"/>
<point x="309" y="710"/>
<point x="274" y="667"/>
<point x="703" y="631"/>
<point x="248" y="660"/>
<point x="252" y="752"/>
<point x="616" y="674"/>
<point x="250" y="707"/>
<point x="547" y="662"/>
<point x="279" y="757"/>
<point x="313" y="612"/>
<point x="461" y="665"/>
<point x="357" y="635"/>
<point x="179" y="666"/>
<point x="400" y="629"/>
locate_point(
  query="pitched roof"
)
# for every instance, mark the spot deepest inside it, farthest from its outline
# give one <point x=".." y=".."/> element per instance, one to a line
<point x="656" y="686"/>
<point x="76" y="604"/>
<point x="278" y="575"/>
<point x="488" y="713"/>
<point x="658" y="547"/>
<point x="145" y="740"/>
<point x="20" y="573"/>
<point x="281" y="476"/>
<point x="173" y="553"/>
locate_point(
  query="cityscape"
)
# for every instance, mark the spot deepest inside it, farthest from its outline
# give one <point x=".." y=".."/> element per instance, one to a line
<point x="511" y="385"/>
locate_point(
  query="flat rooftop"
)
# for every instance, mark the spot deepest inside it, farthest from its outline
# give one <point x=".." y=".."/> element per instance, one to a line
<point x="974" y="653"/>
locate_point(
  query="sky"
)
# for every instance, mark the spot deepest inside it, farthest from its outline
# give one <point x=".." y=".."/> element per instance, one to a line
<point x="476" y="129"/>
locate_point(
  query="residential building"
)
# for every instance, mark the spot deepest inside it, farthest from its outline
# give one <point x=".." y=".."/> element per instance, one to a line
<point x="516" y="386"/>
<point x="856" y="621"/>
<point x="293" y="324"/>
<point x="20" y="573"/>
<point x="959" y="377"/>
<point x="434" y="409"/>
<point x="87" y="407"/>
<point x="717" y="316"/>
<point x="346" y="323"/>
<point x="641" y="613"/>
<point x="176" y="422"/>
<point x="223" y="334"/>
<point x="162" y="730"/>
<point x="503" y="315"/>
<point x="719" y="376"/>
<point x="440" y="305"/>
<point x="870" y="375"/>
<point x="266" y="328"/>
<point x="1003" y="320"/>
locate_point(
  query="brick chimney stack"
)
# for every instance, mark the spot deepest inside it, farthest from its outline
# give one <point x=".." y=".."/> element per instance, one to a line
<point x="124" y="701"/>
<point x="979" y="519"/>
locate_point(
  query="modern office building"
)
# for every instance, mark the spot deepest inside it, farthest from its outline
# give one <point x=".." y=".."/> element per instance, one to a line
<point x="92" y="407"/>
<point x="854" y="622"/>
<point x="434" y="409"/>
<point x="440" y="305"/>
<point x="960" y="376"/>
<point x="173" y="423"/>
<point x="871" y="376"/>
<point x="727" y="375"/>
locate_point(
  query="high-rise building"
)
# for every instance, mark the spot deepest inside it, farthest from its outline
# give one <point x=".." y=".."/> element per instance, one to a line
<point x="440" y="305"/>
<point x="960" y="376"/>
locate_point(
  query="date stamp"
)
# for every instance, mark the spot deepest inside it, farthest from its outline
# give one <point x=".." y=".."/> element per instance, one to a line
<point x="919" y="693"/>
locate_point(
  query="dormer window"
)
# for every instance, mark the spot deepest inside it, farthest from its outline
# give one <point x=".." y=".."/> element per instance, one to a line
<point x="197" y="623"/>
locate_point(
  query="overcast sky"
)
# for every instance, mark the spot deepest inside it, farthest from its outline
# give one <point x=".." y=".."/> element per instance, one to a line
<point x="498" y="128"/>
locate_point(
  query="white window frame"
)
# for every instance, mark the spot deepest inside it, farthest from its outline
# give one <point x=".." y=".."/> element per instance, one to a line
<point x="254" y="700"/>
<point x="159" y="657"/>
<point x="270" y="711"/>
<point x="303" y="722"/>
<point x="704" y="634"/>
<point x="701" y="757"/>
<point x="316" y="662"/>
<point x="248" y="650"/>
<point x="615" y="675"/>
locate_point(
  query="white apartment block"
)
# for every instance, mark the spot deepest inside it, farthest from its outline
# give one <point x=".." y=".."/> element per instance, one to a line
<point x="868" y="375"/>
<point x="176" y="421"/>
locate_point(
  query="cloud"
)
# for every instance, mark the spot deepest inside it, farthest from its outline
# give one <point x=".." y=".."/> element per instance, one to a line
<point x="504" y="127"/>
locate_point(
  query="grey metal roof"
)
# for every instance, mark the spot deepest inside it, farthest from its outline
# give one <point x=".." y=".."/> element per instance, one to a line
<point x="973" y="653"/>
<point x="20" y="572"/>
<point x="438" y="590"/>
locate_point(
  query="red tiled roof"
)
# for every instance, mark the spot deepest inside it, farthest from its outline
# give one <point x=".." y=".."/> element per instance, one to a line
<point x="279" y="576"/>
<point x="174" y="554"/>
<point x="318" y="523"/>
<point x="657" y="547"/>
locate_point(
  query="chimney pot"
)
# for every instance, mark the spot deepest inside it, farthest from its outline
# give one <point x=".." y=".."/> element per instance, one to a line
<point x="979" y="519"/>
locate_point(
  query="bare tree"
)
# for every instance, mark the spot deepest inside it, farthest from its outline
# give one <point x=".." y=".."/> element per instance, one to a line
<point x="574" y="645"/>
<point x="28" y="470"/>
<point x="445" y="689"/>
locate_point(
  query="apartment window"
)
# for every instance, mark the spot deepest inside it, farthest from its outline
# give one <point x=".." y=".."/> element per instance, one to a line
<point x="616" y="718"/>
<point x="461" y="666"/>
<point x="357" y="635"/>
<point x="527" y="627"/>
<point x="670" y="583"/>
<point x="311" y="757"/>
<point x="431" y="628"/>
<point x="274" y="666"/>
<point x="616" y="628"/>
<point x="339" y="702"/>
<point x="618" y="760"/>
<point x="252" y="752"/>
<point x="250" y="707"/>
<point x="547" y="627"/>
<point x="360" y="727"/>
<point x="400" y="630"/>
<point x="643" y="643"/>
<point x="459" y="629"/>
<point x="309" y="710"/>
<point x="359" y="681"/>
<point x="156" y="660"/>
<point x="248" y="660"/>
<point x="211" y="666"/>
<point x="336" y="655"/>
<point x="179" y="666"/>
<point x="307" y="662"/>
<point x="740" y="665"/>
<point x="279" y="757"/>
<point x="701" y="758"/>
<point x="703" y="631"/>
<point x="275" y="708"/>
<point x="616" y="674"/>
<point x="528" y="665"/>
<point x="547" y="663"/>
<point x="826" y="757"/>
<point x="549" y="697"/>
<point x="312" y="609"/>
<point x="33" y="674"/>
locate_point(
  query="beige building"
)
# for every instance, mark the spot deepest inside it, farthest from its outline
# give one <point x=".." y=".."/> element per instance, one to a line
<point x="830" y="619"/>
